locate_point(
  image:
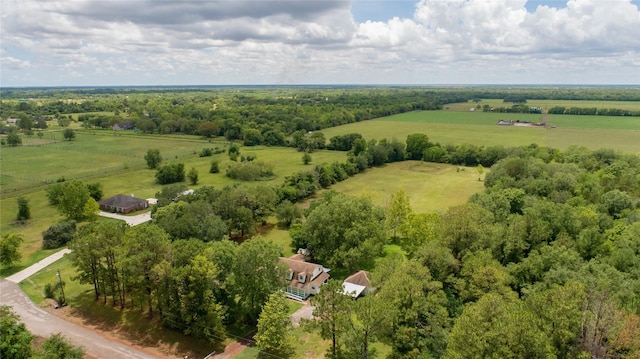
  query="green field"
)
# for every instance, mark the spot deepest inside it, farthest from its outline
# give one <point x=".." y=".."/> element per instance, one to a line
<point x="479" y="128"/>
<point x="432" y="187"/>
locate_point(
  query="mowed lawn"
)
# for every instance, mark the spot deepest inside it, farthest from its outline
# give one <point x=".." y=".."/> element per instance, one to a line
<point x="431" y="187"/>
<point x="479" y="128"/>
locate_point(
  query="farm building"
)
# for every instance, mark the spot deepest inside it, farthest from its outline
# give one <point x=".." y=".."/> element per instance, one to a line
<point x="123" y="204"/>
<point x="12" y="120"/>
<point x="303" y="278"/>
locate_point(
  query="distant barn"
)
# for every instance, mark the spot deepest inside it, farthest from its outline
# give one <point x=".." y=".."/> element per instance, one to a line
<point x="123" y="204"/>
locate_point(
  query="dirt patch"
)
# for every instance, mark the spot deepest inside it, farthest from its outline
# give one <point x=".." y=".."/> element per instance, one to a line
<point x="158" y="350"/>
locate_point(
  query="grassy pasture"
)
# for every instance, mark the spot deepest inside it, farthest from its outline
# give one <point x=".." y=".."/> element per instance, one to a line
<point x="479" y="128"/>
<point x="117" y="162"/>
<point x="622" y="105"/>
<point x="431" y="187"/>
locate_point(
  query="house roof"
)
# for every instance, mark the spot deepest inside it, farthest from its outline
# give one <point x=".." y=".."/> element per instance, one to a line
<point x="353" y="290"/>
<point x="297" y="257"/>
<point x="307" y="268"/>
<point x="122" y="201"/>
<point x="356" y="283"/>
<point x="360" y="278"/>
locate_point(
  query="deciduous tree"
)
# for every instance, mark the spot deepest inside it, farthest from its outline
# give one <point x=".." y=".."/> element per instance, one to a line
<point x="256" y="274"/>
<point x="73" y="199"/>
<point x="153" y="158"/>
<point x="69" y="134"/>
<point x="9" y="248"/>
<point x="15" y="338"/>
<point x="343" y="231"/>
<point x="24" y="212"/>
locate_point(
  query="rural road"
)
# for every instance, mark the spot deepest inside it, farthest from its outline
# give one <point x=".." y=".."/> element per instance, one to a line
<point x="43" y="324"/>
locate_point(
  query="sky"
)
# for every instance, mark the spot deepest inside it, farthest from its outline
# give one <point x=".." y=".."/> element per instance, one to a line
<point x="261" y="42"/>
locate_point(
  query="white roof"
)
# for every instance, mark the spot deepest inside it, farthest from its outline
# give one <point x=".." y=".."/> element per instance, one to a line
<point x="353" y="290"/>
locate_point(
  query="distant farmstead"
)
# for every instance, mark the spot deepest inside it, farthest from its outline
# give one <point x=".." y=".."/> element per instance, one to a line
<point x="123" y="204"/>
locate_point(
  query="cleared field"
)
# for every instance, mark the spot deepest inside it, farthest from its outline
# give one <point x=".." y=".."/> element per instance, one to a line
<point x="622" y="105"/>
<point x="478" y="128"/>
<point x="432" y="187"/>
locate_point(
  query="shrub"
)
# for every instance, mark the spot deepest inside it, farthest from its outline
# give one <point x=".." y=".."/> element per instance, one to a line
<point x="170" y="173"/>
<point x="250" y="171"/>
<point x="206" y="152"/>
<point x="215" y="167"/>
<point x="58" y="234"/>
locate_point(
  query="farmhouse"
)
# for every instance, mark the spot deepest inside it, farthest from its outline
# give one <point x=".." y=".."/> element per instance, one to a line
<point x="12" y="121"/>
<point x="303" y="278"/>
<point x="123" y="204"/>
<point x="357" y="284"/>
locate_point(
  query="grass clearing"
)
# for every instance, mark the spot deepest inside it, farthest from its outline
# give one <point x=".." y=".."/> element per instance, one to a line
<point x="431" y="187"/>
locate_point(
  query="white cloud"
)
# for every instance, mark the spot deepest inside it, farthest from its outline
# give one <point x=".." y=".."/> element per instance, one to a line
<point x="300" y="41"/>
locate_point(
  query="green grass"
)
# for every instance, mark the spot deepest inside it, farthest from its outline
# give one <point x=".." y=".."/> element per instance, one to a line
<point x="431" y="187"/>
<point x="279" y="236"/>
<point x="306" y="346"/>
<point x="74" y="291"/>
<point x="479" y="128"/>
<point x="293" y="306"/>
<point x="116" y="161"/>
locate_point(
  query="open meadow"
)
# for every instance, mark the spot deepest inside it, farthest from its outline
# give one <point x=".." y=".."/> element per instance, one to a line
<point x="481" y="129"/>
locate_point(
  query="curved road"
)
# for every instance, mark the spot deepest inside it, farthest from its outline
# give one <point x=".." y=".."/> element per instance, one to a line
<point x="43" y="324"/>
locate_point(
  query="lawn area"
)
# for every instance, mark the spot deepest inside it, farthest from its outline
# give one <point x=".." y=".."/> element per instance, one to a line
<point x="479" y="128"/>
<point x="432" y="187"/>
<point x="306" y="346"/>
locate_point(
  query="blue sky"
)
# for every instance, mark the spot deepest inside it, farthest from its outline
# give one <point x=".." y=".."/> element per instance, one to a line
<point x="383" y="10"/>
<point x="207" y="42"/>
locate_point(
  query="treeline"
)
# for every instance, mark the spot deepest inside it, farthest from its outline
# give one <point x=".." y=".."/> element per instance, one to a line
<point x="592" y="111"/>
<point x="192" y="286"/>
<point x="229" y="112"/>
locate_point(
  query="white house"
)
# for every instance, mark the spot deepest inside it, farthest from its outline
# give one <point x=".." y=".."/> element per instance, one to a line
<point x="303" y="278"/>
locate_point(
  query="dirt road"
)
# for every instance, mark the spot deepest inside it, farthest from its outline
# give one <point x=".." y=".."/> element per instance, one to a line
<point x="43" y="324"/>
